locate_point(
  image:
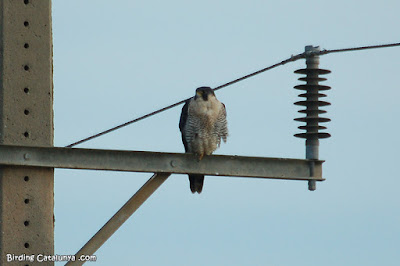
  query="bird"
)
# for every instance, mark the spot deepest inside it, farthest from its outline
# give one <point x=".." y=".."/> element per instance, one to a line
<point x="202" y="124"/>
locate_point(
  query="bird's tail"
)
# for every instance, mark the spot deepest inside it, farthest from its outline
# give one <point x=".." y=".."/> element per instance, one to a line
<point x="196" y="183"/>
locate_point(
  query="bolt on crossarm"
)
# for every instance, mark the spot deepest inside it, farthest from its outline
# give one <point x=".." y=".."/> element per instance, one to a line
<point x="312" y="104"/>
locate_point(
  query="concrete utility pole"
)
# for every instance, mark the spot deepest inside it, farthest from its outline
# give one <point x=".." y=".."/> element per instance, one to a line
<point x="26" y="118"/>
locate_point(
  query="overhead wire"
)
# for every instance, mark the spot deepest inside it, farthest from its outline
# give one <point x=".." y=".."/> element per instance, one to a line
<point x="323" y="52"/>
<point x="290" y="59"/>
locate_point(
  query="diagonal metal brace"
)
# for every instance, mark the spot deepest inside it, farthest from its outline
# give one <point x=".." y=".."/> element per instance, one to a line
<point x="157" y="162"/>
<point x="120" y="217"/>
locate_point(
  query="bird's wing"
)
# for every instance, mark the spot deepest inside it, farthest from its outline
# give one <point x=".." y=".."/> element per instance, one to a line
<point x="222" y="124"/>
<point x="182" y="124"/>
<point x="223" y="110"/>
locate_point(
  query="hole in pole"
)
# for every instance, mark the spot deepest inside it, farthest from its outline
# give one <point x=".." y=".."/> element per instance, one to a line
<point x="26" y="178"/>
<point x="26" y="2"/>
<point x="26" y="67"/>
<point x="26" y="23"/>
<point x="26" y="223"/>
<point x="26" y="245"/>
<point x="26" y="112"/>
<point x="26" y="134"/>
<point x="26" y="45"/>
<point x="26" y="201"/>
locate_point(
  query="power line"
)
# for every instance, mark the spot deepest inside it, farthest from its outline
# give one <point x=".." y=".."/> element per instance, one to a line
<point x="126" y="123"/>
<point x="290" y="59"/>
<point x="323" y="52"/>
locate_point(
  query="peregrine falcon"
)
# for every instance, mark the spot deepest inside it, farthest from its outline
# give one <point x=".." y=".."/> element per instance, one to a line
<point x="203" y="124"/>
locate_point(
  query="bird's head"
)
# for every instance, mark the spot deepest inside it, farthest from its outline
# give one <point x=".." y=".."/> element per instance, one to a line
<point x="204" y="93"/>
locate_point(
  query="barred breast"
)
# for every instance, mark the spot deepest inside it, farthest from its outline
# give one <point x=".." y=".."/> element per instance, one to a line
<point x="205" y="126"/>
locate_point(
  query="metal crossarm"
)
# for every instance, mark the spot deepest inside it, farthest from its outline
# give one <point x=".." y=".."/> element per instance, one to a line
<point x="162" y="164"/>
<point x="157" y="162"/>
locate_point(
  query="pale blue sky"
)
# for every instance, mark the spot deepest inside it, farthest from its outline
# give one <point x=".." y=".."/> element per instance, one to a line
<point x="117" y="60"/>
